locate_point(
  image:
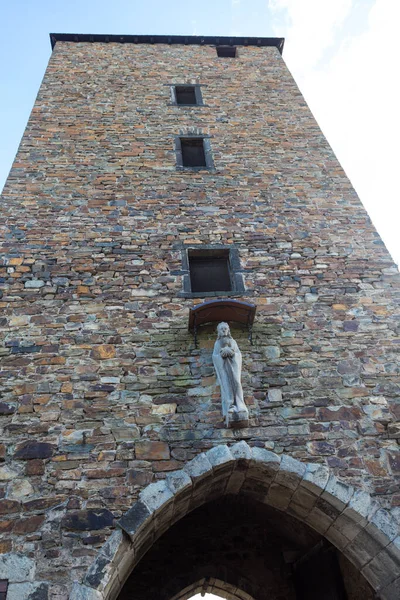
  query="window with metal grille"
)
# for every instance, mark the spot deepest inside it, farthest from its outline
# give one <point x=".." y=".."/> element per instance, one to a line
<point x="226" y="51"/>
<point x="3" y="589"/>
<point x="209" y="271"/>
<point x="186" y="94"/>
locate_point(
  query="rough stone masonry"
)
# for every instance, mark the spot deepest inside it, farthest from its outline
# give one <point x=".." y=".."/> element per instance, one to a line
<point x="102" y="389"/>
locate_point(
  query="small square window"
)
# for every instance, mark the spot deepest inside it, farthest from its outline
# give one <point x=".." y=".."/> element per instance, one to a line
<point x="226" y="51"/>
<point x="193" y="154"/>
<point x="185" y="94"/>
<point x="209" y="271"/>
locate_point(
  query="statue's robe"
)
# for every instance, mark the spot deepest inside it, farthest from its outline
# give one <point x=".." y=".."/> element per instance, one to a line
<point x="229" y="374"/>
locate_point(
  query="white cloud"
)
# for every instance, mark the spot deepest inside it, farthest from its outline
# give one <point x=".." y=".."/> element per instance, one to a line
<point x="310" y="27"/>
<point x="194" y="27"/>
<point x="354" y="95"/>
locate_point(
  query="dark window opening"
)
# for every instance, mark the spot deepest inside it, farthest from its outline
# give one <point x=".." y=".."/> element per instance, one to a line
<point x="185" y="94"/>
<point x="226" y="51"/>
<point x="193" y="154"/>
<point x="3" y="589"/>
<point x="209" y="271"/>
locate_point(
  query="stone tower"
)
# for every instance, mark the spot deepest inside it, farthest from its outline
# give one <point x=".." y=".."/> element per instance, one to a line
<point x="157" y="174"/>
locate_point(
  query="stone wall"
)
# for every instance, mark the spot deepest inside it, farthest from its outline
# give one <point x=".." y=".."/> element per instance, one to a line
<point x="103" y="391"/>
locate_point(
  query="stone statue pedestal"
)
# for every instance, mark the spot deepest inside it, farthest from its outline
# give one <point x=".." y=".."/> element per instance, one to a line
<point x="238" y="420"/>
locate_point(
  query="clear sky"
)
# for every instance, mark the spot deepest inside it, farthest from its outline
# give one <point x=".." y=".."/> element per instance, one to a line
<point x="344" y="55"/>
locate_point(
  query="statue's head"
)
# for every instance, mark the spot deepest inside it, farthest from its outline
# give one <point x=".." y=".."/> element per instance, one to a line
<point x="223" y="330"/>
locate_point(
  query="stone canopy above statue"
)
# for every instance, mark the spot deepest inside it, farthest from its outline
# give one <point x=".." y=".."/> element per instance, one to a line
<point x="222" y="310"/>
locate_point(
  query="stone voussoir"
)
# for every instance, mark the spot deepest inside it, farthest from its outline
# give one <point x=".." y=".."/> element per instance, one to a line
<point x="337" y="493"/>
<point x="178" y="481"/>
<point x="135" y="520"/>
<point x="221" y="458"/>
<point x="383" y="527"/>
<point x="241" y="451"/>
<point x="315" y="478"/>
<point x="198" y="468"/>
<point x="290" y="473"/>
<point x="264" y="460"/>
<point x="156" y="496"/>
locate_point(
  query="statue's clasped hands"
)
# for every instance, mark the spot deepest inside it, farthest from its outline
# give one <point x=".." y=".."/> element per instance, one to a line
<point x="227" y="352"/>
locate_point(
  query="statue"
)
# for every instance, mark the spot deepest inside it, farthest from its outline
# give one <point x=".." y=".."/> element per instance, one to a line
<point x="227" y="360"/>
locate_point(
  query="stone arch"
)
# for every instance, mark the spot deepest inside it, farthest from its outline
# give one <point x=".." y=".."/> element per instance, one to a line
<point x="349" y="518"/>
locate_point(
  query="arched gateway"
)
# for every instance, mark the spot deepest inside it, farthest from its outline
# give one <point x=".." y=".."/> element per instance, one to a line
<point x="355" y="524"/>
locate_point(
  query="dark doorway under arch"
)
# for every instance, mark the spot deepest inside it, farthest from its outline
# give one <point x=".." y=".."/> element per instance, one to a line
<point x="364" y="534"/>
<point x="241" y="549"/>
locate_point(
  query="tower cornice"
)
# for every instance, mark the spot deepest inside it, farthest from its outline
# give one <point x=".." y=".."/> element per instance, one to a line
<point x="199" y="40"/>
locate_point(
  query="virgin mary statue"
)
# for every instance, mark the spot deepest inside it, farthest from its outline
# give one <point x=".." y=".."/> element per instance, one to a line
<point x="227" y="360"/>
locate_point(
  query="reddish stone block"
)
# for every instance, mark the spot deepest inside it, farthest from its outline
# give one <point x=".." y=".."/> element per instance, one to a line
<point x="6" y="526"/>
<point x="166" y="465"/>
<point x="152" y="451"/>
<point x="375" y="467"/>
<point x="105" y="473"/>
<point x="8" y="507"/>
<point x="28" y="525"/>
<point x="35" y="467"/>
<point x="5" y="546"/>
<point x="103" y="352"/>
<point x="141" y="478"/>
<point x="344" y="413"/>
<point x="41" y="504"/>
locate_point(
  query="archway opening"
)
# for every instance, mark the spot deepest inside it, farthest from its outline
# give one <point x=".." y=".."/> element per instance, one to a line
<point x="205" y="597"/>
<point x="353" y="539"/>
<point x="239" y="549"/>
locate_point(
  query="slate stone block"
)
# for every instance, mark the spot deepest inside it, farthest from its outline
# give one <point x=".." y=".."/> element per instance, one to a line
<point x="136" y="516"/>
<point x="87" y="520"/>
<point x="29" y="450"/>
<point x="7" y="408"/>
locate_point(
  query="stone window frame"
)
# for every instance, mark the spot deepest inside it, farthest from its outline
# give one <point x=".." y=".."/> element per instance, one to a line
<point x="209" y="166"/>
<point x="197" y="91"/>
<point x="235" y="270"/>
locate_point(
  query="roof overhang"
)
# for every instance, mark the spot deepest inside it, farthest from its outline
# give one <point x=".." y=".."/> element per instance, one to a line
<point x="199" y="40"/>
